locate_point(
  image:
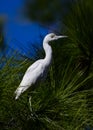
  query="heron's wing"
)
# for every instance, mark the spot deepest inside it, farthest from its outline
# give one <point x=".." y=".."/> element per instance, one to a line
<point x="34" y="66"/>
<point x="30" y="78"/>
<point x="31" y="74"/>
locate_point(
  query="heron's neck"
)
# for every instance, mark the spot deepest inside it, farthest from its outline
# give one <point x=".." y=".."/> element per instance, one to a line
<point x="48" y="52"/>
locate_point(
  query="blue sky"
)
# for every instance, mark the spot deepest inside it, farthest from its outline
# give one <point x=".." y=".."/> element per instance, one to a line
<point x="19" y="33"/>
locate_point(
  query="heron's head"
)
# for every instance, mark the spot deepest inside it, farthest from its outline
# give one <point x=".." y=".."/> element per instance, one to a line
<point x="52" y="37"/>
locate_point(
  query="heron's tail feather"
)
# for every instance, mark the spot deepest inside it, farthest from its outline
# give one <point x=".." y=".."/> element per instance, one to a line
<point x="18" y="92"/>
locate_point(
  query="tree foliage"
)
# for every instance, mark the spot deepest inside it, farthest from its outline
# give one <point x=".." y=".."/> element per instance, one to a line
<point x="80" y="30"/>
<point x="55" y="104"/>
<point x="45" y="11"/>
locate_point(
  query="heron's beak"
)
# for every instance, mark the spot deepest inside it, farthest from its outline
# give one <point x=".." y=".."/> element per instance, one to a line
<point x="62" y="36"/>
<point x="57" y="37"/>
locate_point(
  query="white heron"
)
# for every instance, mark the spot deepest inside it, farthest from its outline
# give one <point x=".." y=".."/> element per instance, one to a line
<point x="38" y="70"/>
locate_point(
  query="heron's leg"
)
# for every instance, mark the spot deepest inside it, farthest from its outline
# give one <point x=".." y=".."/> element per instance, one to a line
<point x="30" y="104"/>
<point x="33" y="114"/>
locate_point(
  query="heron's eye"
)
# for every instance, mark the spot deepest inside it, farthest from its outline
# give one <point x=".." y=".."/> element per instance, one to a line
<point x="52" y="36"/>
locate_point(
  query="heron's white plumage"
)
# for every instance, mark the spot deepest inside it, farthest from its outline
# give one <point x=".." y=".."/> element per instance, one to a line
<point x="38" y="70"/>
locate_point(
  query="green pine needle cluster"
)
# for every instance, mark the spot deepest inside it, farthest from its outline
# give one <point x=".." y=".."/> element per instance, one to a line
<point x="57" y="104"/>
